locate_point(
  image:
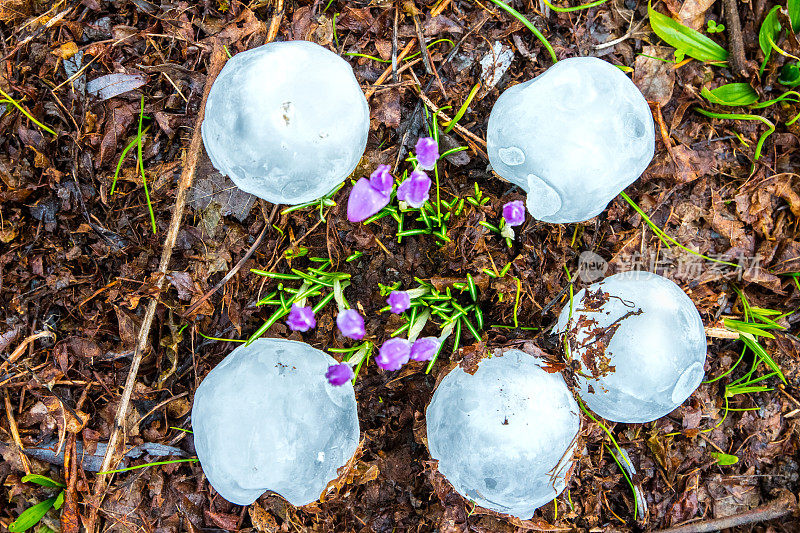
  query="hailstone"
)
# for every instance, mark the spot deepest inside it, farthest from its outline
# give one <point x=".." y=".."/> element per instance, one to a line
<point x="504" y="437"/>
<point x="573" y="138"/>
<point x="287" y="121"/>
<point x="266" y="418"/>
<point x="640" y="344"/>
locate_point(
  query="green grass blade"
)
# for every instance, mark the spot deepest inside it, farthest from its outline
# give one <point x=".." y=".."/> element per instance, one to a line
<point x="141" y="167"/>
<point x="192" y="460"/>
<point x="463" y="108"/>
<point x="25" y="112"/>
<point x="524" y="20"/>
<point x="575" y="8"/>
<point x="740" y="116"/>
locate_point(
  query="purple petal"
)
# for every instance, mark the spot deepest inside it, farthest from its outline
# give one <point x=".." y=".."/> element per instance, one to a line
<point x="427" y="153"/>
<point x="381" y="180"/>
<point x="415" y="189"/>
<point x="399" y="301"/>
<point x="301" y="318"/>
<point x="351" y="324"/>
<point x="424" y="349"/>
<point x="339" y="374"/>
<point x="514" y="213"/>
<point x="365" y="201"/>
<point x="393" y="354"/>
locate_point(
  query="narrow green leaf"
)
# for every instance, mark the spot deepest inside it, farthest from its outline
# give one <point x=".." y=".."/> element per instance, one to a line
<point x="793" y="8"/>
<point x="732" y="94"/>
<point x="724" y="459"/>
<point x="684" y="39"/>
<point x="768" y="35"/>
<point x="44" y="481"/>
<point x="31" y="516"/>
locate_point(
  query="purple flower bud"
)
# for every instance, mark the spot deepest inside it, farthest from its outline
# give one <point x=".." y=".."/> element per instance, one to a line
<point x="514" y="213"/>
<point x="365" y="201"/>
<point x="339" y="374"/>
<point x="393" y="354"/>
<point x="399" y="301"/>
<point x="381" y="180"/>
<point x="414" y="190"/>
<point x="351" y="324"/>
<point x="301" y="318"/>
<point x="424" y="349"/>
<point x="427" y="153"/>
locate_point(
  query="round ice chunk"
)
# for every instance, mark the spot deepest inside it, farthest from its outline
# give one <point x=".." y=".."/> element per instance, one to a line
<point x="286" y="121"/>
<point x="504" y="437"/>
<point x="265" y="418"/>
<point x="572" y="138"/>
<point x="640" y="343"/>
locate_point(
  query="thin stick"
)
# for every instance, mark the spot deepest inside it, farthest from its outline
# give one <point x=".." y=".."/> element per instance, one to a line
<point x="777" y="508"/>
<point x="187" y="176"/>
<point x="237" y="267"/>
<point x="12" y="425"/>
<point x="737" y="59"/>
<point x="382" y="78"/>
<point x="467" y="135"/>
<point x="20" y="350"/>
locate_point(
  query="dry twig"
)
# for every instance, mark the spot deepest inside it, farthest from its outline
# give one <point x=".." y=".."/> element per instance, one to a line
<point x="187" y="176"/>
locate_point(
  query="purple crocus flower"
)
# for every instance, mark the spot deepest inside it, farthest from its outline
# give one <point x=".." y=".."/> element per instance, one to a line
<point x="381" y="180"/>
<point x="339" y="374"/>
<point x="393" y="354"/>
<point x="351" y="324"/>
<point x="399" y="301"/>
<point x="301" y="318"/>
<point x="424" y="349"/>
<point x="427" y="153"/>
<point x="514" y="213"/>
<point x="415" y="189"/>
<point x="365" y="200"/>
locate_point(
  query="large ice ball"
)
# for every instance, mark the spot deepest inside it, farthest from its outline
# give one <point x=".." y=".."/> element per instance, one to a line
<point x="286" y="121"/>
<point x="640" y="343"/>
<point x="572" y="138"/>
<point x="265" y="418"/>
<point x="504" y="437"/>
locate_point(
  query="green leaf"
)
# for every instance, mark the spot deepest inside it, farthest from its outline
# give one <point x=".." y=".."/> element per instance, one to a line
<point x="59" y="501"/>
<point x="685" y="40"/>
<point x="31" y="516"/>
<point x="732" y="94"/>
<point x="768" y="34"/>
<point x="724" y="459"/>
<point x="44" y="481"/>
<point x="790" y="74"/>
<point x="793" y="8"/>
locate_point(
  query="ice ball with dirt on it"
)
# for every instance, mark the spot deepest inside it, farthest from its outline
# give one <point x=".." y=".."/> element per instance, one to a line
<point x="504" y="436"/>
<point x="287" y="121"/>
<point x="639" y="344"/>
<point x="266" y="418"/>
<point x="572" y="138"/>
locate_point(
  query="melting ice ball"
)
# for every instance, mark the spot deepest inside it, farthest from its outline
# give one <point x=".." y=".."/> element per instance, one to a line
<point x="286" y="121"/>
<point x="640" y="343"/>
<point x="504" y="437"/>
<point x="265" y="418"/>
<point x="573" y="138"/>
